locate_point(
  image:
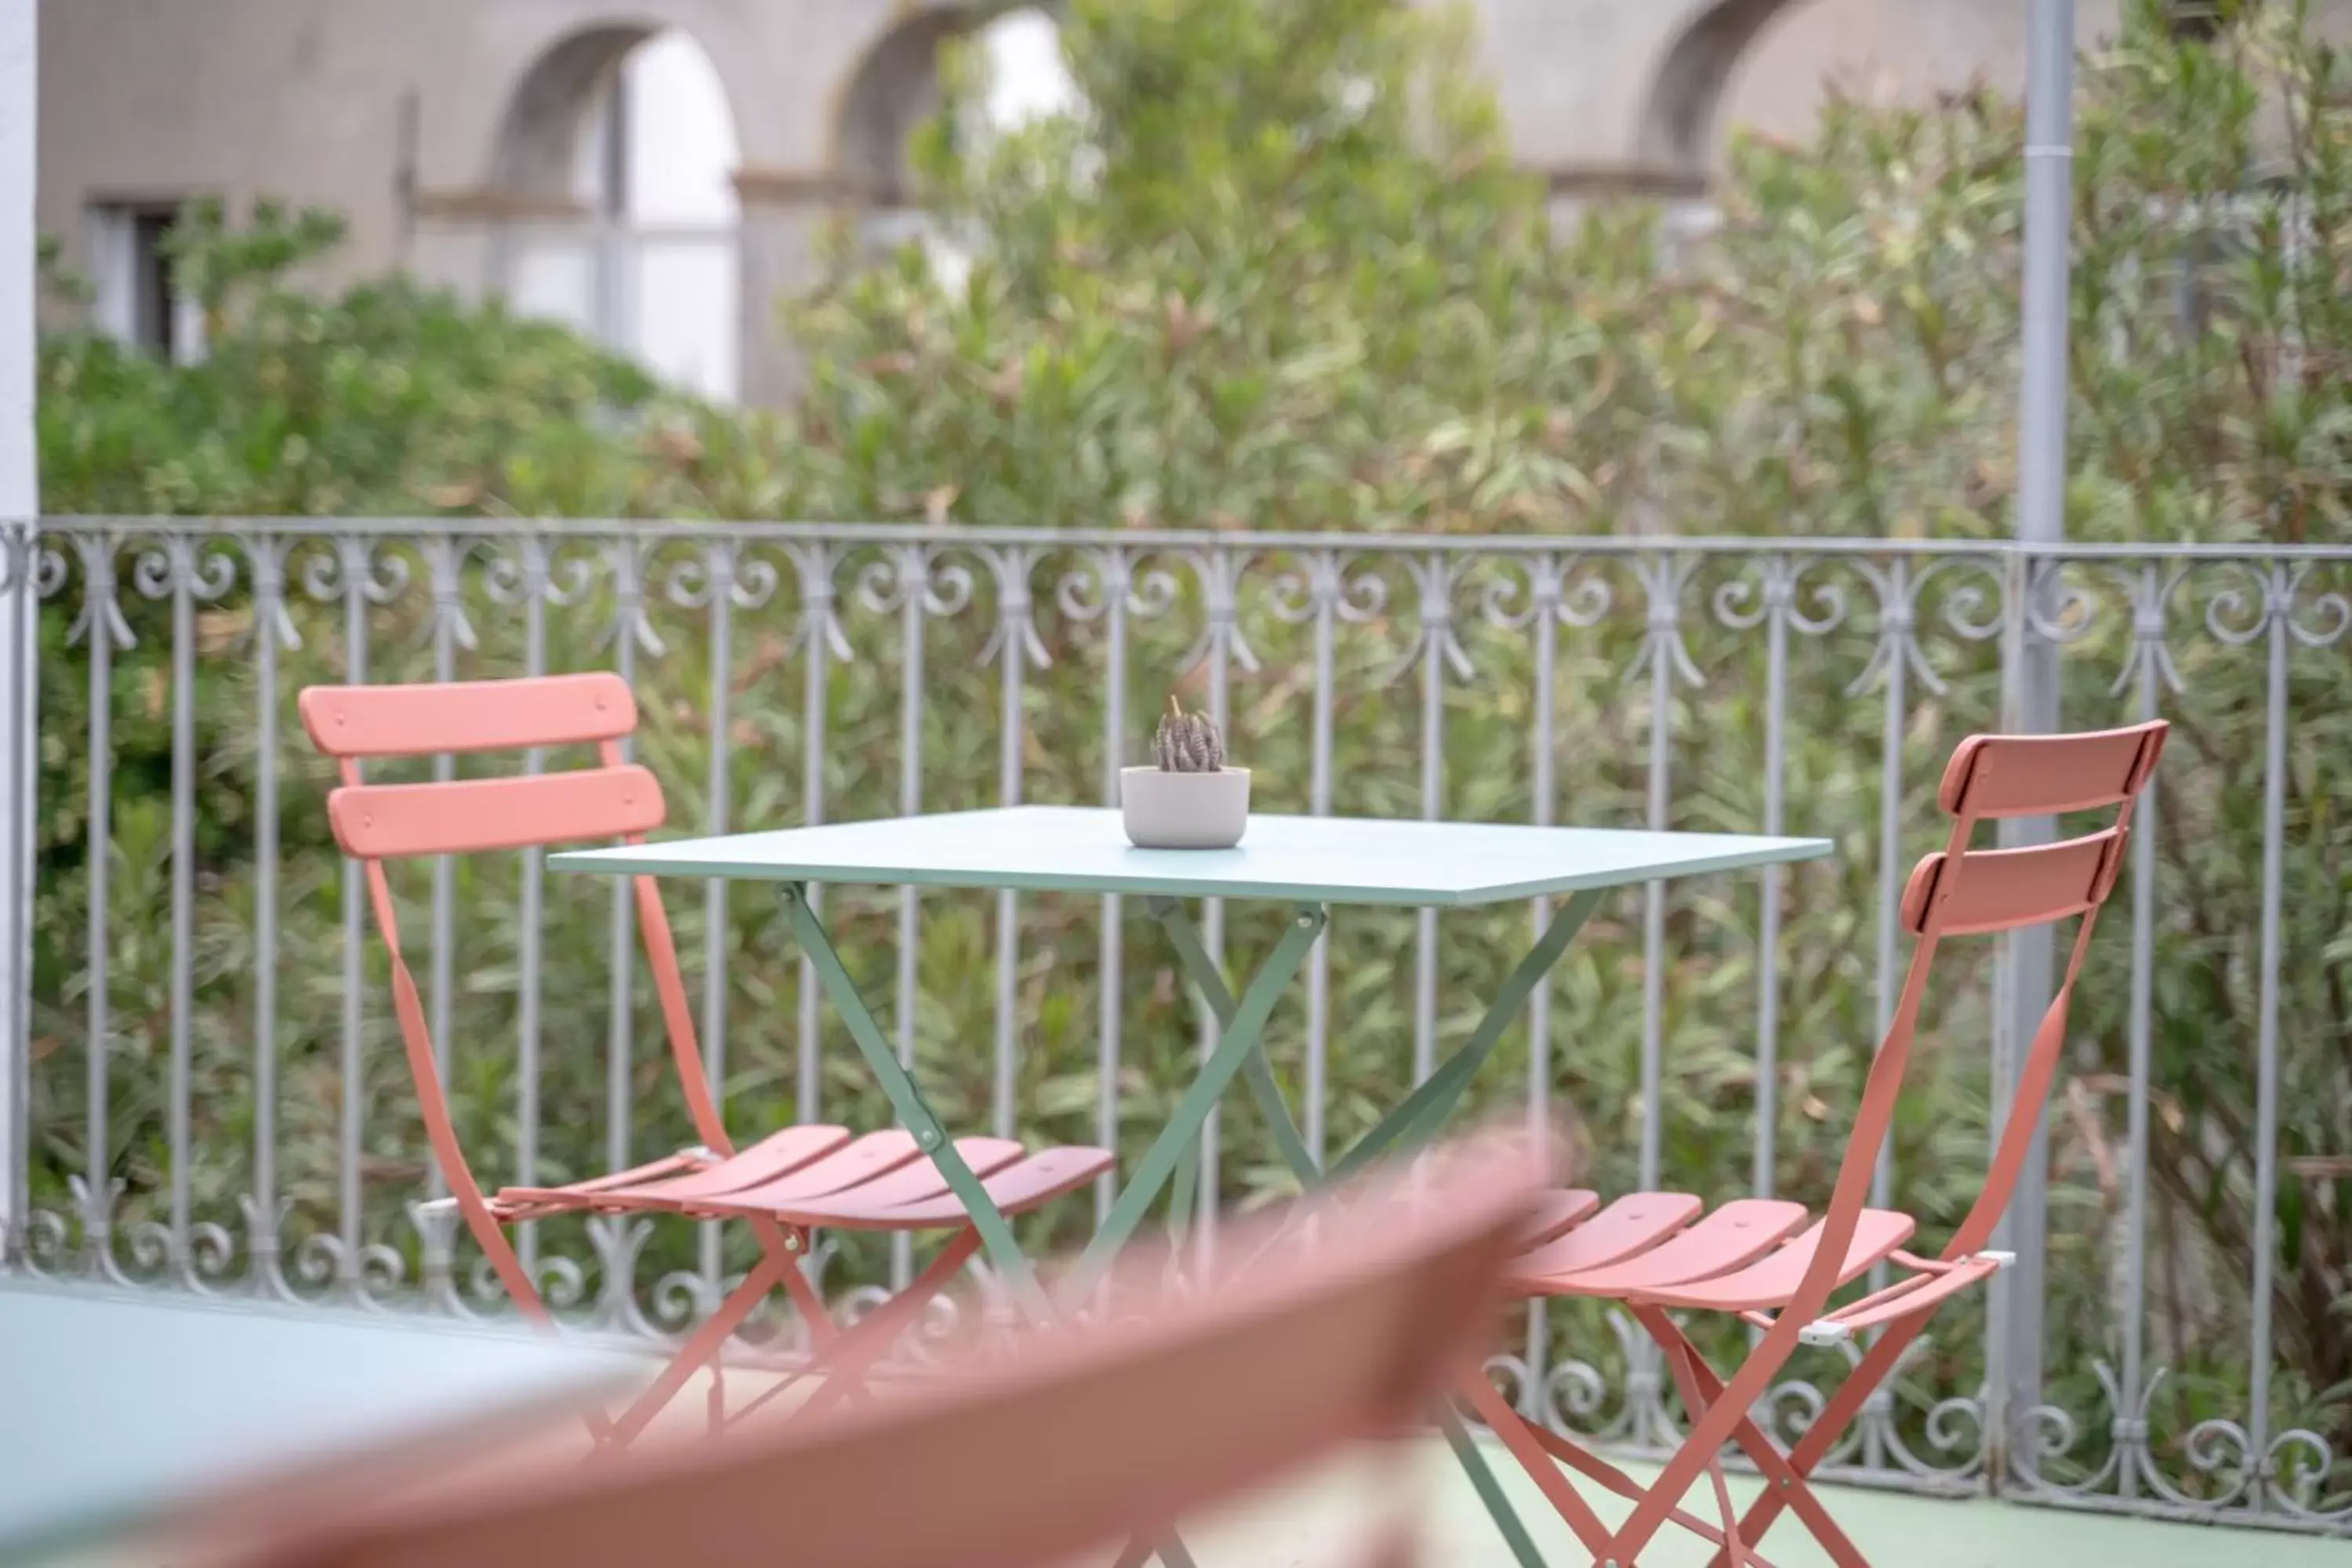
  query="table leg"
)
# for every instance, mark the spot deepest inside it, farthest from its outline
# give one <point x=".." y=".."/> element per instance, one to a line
<point x="1256" y="1071"/>
<point x="907" y="1103"/>
<point x="1419" y="1115"/>
<point x="1183" y="1186"/>
<point x="1417" y="1118"/>
<point x="916" y="1116"/>
<point x="1244" y="1027"/>
<point x="1415" y="1121"/>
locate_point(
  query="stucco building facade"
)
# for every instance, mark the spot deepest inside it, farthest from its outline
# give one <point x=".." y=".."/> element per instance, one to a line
<point x="453" y="133"/>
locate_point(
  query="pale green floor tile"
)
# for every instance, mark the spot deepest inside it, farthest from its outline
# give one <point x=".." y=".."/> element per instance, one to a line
<point x="1311" y="1524"/>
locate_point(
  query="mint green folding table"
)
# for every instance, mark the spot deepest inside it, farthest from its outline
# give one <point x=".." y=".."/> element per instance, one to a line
<point x="1310" y="863"/>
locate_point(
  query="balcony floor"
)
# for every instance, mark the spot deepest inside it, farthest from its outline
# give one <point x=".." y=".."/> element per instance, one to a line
<point x="1313" y="1524"/>
<point x="1317" y="1522"/>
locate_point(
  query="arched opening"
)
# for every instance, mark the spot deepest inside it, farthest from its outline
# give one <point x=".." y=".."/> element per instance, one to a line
<point x="1686" y="99"/>
<point x="1027" y="78"/>
<point x="896" y="90"/>
<point x="617" y="155"/>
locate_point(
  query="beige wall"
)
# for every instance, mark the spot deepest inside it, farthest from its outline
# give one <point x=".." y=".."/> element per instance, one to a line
<point x="1905" y="50"/>
<point x="302" y="100"/>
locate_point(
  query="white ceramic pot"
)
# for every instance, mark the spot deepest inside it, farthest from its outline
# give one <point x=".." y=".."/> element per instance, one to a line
<point x="1184" y="811"/>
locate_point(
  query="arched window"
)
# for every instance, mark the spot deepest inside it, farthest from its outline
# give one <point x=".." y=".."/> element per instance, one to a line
<point x="897" y="89"/>
<point x="1685" y="96"/>
<point x="619" y="151"/>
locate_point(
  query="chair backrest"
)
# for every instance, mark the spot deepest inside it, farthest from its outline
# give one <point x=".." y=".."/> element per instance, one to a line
<point x="1961" y="892"/>
<point x="374" y="824"/>
<point x="1073" y="1437"/>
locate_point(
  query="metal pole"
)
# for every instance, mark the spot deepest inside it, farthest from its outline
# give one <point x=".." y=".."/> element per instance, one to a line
<point x="2031" y="695"/>
<point x="19" y="506"/>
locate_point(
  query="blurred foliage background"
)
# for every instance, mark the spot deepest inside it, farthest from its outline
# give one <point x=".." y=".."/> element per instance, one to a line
<point x="1282" y="277"/>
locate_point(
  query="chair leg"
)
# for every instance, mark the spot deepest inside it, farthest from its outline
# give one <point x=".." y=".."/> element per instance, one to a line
<point x="1512" y="1429"/>
<point x="1589" y="1465"/>
<point x="1681" y="1364"/>
<point x="704" y="1346"/>
<point x="1726" y="1411"/>
<point x="1876" y="1366"/>
<point x="508" y="1266"/>
<point x="863" y="1342"/>
<point x="845" y="1353"/>
<point x="1782" y="1480"/>
<point x="1611" y="1479"/>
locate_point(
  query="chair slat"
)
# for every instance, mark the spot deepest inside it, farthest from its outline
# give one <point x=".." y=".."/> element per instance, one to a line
<point x="2040" y="776"/>
<point x="461" y="816"/>
<point x="467" y="716"/>
<point x="2001" y="889"/>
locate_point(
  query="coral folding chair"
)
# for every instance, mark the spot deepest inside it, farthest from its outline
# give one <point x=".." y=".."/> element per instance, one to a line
<point x="789" y="1183"/>
<point x="1061" y="1439"/>
<point x="1772" y="1263"/>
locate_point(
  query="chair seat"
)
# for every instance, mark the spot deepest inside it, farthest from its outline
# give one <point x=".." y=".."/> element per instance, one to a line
<point x="817" y="1176"/>
<point x="1668" y="1250"/>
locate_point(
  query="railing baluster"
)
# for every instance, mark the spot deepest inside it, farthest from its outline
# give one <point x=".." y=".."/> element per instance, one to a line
<point x="2278" y="604"/>
<point x="1115" y="567"/>
<point x="720" y="570"/>
<point x="1325" y="585"/>
<point x="1895" y="651"/>
<point x="2149" y="639"/>
<point x="181" y="562"/>
<point x="358" y="566"/>
<point x="1217" y="577"/>
<point x="535" y="582"/>
<point x="1543" y="607"/>
<point x="98" y="621"/>
<point x="816" y="612"/>
<point x="2026" y="978"/>
<point x="265" y="1265"/>
<point x="1645" y="1399"/>
<point x="1437" y="618"/>
<point x="1663" y="585"/>
<point x="448" y="562"/>
<point x="618" y="1290"/>
<point x="1778" y="584"/>
<point x="1013" y="611"/>
<point x="21" y="625"/>
<point x="913" y="565"/>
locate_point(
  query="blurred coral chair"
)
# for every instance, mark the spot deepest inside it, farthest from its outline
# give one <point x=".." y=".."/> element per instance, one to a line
<point x="1661" y="1253"/>
<point x="789" y="1183"/>
<point x="1063" y="1439"/>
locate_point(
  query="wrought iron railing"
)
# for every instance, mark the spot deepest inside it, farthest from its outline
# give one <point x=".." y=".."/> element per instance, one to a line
<point x="212" y="1101"/>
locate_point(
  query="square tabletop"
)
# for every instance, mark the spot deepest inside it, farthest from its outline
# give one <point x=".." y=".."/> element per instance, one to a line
<point x="1320" y="859"/>
<point x="120" y="1409"/>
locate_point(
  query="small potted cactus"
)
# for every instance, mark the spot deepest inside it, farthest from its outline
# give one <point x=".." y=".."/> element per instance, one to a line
<point x="1188" y="799"/>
